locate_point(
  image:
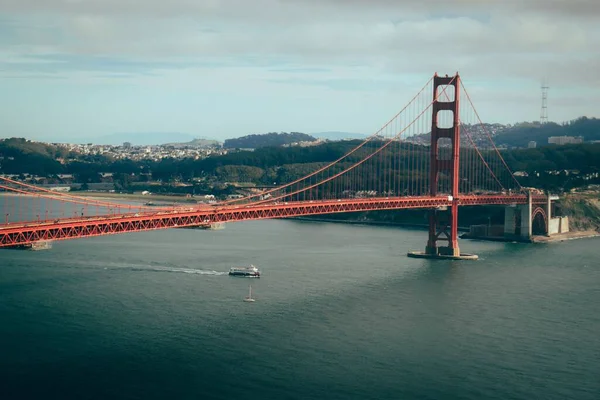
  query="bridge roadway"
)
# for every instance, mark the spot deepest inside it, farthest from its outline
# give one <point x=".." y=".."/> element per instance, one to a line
<point x="22" y="233"/>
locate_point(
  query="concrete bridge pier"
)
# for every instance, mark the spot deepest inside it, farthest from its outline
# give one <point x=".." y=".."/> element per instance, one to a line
<point x="522" y="222"/>
<point x="518" y="221"/>
<point x="510" y="223"/>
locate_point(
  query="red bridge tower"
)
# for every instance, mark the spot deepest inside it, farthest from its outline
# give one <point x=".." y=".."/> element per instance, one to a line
<point x="448" y="230"/>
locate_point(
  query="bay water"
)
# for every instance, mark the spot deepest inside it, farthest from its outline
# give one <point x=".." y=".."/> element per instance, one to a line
<point x="340" y="313"/>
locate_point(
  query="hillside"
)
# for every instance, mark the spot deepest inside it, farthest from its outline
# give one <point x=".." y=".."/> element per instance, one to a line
<point x="334" y="135"/>
<point x="272" y="139"/>
<point x="25" y="156"/>
<point x="22" y="156"/>
<point x="194" y="143"/>
<point x="583" y="211"/>
<point x="141" y="138"/>
<point x="555" y="168"/>
<point x="520" y="135"/>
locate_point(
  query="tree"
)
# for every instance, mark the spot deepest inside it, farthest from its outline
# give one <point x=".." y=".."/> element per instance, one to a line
<point x="122" y="180"/>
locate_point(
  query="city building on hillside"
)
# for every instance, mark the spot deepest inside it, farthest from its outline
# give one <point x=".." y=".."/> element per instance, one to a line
<point x="561" y="140"/>
<point x="532" y="144"/>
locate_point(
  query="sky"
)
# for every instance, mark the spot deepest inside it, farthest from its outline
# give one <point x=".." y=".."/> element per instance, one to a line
<point x="220" y="69"/>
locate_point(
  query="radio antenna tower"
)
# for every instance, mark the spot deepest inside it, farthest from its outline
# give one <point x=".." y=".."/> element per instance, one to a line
<point x="544" y="112"/>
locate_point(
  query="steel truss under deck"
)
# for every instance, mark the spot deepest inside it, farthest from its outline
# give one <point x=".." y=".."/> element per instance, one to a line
<point x="25" y="233"/>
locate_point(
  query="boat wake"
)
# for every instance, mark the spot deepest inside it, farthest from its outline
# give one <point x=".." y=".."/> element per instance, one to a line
<point x="176" y="270"/>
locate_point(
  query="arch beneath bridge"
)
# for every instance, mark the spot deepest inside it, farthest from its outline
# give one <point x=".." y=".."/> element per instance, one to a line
<point x="539" y="222"/>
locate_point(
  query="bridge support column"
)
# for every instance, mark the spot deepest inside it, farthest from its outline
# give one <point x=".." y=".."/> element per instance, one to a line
<point x="443" y="227"/>
<point x="510" y="221"/>
<point x="548" y="213"/>
<point x="526" y="220"/>
<point x="518" y="221"/>
<point x="444" y="231"/>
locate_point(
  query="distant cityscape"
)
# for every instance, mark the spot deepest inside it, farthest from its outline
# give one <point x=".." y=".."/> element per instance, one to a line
<point x="136" y="153"/>
<point x="198" y="166"/>
<point x="478" y="135"/>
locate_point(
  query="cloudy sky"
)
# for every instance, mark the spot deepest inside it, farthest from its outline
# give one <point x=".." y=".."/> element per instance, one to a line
<point x="226" y="68"/>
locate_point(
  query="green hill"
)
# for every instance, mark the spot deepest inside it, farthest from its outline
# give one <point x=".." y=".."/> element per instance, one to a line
<point x="194" y="143"/>
<point x="24" y="156"/>
<point x="272" y="139"/>
<point x="521" y="134"/>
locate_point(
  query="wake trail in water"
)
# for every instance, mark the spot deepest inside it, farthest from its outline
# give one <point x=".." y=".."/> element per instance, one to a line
<point x="172" y="270"/>
<point x="138" y="267"/>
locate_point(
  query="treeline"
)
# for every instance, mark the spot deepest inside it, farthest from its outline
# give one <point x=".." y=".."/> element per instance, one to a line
<point x="20" y="155"/>
<point x="583" y="157"/>
<point x="553" y="167"/>
<point x="521" y="134"/>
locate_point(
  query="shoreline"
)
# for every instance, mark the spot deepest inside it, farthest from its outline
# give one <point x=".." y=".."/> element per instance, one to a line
<point x="113" y="196"/>
<point x="138" y="197"/>
<point x="572" y="235"/>
<point x="561" y="237"/>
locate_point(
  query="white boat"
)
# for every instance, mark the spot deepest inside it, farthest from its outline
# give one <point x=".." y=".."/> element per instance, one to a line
<point x="250" y="271"/>
<point x="249" y="298"/>
<point x="215" y="226"/>
<point x="41" y="245"/>
<point x="35" y="246"/>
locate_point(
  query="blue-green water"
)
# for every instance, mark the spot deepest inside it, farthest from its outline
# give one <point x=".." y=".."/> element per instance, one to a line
<point x="341" y="313"/>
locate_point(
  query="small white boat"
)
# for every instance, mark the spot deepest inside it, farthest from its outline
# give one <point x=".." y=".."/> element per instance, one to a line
<point x="249" y="298"/>
<point x="35" y="246"/>
<point x="250" y="271"/>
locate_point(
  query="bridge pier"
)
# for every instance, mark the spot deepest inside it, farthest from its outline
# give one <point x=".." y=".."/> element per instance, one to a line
<point x="510" y="220"/>
<point x="448" y="231"/>
<point x="526" y="218"/>
<point x="517" y="222"/>
<point x="443" y="229"/>
<point x="522" y="222"/>
<point x="439" y="228"/>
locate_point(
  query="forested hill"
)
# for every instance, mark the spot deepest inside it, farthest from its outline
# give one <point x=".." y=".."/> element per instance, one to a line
<point x="272" y="139"/>
<point x="520" y="135"/>
<point x="551" y="167"/>
<point x="20" y="155"/>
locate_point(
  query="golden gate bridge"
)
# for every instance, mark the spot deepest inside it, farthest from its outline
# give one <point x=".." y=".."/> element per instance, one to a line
<point x="387" y="171"/>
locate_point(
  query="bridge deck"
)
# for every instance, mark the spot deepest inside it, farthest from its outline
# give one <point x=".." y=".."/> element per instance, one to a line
<point x="25" y="233"/>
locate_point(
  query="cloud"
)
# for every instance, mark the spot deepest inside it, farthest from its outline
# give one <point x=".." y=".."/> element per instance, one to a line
<point x="380" y="33"/>
<point x="346" y="46"/>
<point x="298" y="11"/>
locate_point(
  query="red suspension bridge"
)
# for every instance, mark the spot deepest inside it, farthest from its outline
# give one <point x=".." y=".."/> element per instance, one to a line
<point x="434" y="154"/>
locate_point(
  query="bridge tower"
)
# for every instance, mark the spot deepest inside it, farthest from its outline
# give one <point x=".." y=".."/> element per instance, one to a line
<point x="444" y="231"/>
